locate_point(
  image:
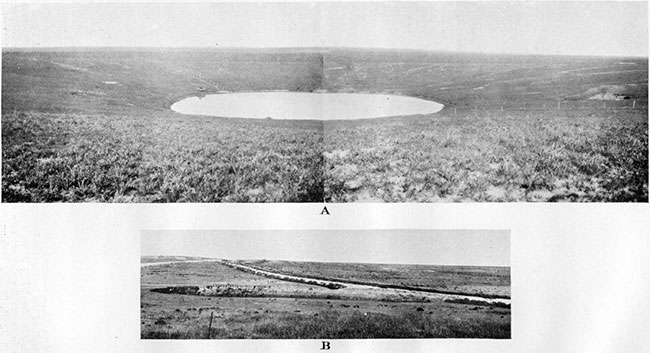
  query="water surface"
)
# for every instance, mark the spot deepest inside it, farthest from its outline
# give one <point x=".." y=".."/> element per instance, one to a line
<point x="305" y="106"/>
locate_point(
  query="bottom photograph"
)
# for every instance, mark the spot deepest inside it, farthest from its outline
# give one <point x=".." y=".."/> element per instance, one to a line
<point x="325" y="284"/>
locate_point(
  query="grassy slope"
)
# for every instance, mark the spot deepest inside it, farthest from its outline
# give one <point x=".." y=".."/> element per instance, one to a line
<point x="121" y="143"/>
<point x="598" y="155"/>
<point x="461" y="279"/>
<point x="159" y="158"/>
<point x="470" y="81"/>
<point x="501" y="136"/>
<point x="148" y="80"/>
<point x="68" y="136"/>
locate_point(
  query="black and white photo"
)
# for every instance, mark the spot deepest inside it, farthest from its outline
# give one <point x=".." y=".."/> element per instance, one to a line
<point x="325" y="101"/>
<point x="325" y="284"/>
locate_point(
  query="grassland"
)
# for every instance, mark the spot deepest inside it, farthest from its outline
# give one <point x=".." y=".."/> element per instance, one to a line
<point x="79" y="158"/>
<point x="304" y="315"/>
<point x="514" y="128"/>
<point x="598" y="155"/>
<point x="283" y="318"/>
<point x="469" y="280"/>
<point x="69" y="137"/>
<point x="95" y="126"/>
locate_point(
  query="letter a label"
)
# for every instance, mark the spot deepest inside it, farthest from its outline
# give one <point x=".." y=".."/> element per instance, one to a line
<point x="325" y="211"/>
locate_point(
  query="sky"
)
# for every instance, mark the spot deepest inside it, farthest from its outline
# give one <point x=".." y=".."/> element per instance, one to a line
<point x="431" y="247"/>
<point x="573" y="28"/>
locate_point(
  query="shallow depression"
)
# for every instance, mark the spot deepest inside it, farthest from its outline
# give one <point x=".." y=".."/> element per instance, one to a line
<point x="305" y="106"/>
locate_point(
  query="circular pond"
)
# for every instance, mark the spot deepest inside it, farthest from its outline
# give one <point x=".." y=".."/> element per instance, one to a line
<point x="305" y="106"/>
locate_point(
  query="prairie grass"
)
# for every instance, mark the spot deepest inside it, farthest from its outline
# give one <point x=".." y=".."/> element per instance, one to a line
<point x="599" y="155"/>
<point x="349" y="325"/>
<point x="374" y="325"/>
<point x="79" y="158"/>
<point x="487" y="156"/>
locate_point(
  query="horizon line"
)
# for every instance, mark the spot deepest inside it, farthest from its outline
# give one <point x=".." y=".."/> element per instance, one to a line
<point x="314" y="48"/>
<point x="333" y="262"/>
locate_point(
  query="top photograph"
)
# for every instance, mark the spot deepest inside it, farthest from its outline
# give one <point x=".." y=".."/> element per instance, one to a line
<point x="371" y="102"/>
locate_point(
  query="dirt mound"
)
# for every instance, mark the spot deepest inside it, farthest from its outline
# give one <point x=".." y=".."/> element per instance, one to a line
<point x="192" y="290"/>
<point x="478" y="302"/>
<point x="232" y="291"/>
<point x="611" y="92"/>
<point x="236" y="290"/>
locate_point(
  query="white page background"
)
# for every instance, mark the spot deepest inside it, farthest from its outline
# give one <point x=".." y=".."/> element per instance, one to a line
<point x="71" y="273"/>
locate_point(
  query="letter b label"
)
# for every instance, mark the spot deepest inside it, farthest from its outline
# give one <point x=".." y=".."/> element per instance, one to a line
<point x="326" y="346"/>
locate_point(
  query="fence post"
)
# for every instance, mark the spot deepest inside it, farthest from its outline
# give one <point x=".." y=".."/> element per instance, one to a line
<point x="210" y="326"/>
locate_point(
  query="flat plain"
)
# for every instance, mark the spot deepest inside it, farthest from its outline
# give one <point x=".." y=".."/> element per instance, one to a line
<point x="215" y="299"/>
<point x="89" y="125"/>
